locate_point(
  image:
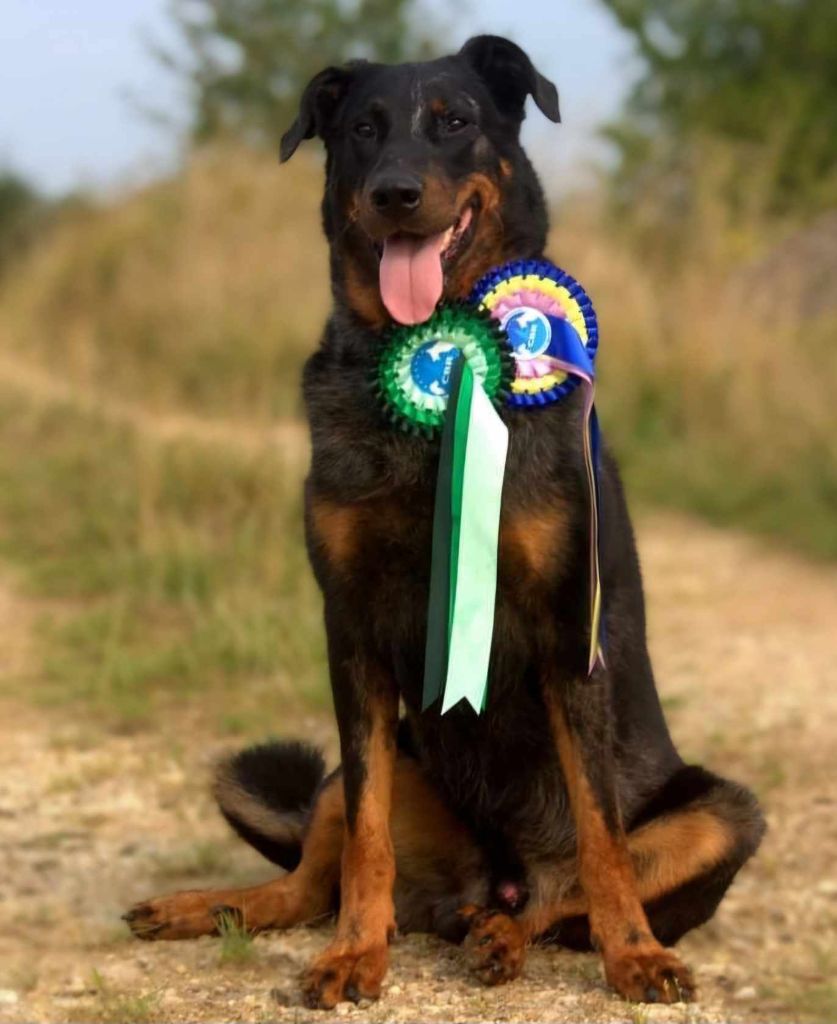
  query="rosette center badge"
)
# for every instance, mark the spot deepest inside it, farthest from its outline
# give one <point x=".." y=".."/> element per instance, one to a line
<point x="432" y="367"/>
<point x="416" y="365"/>
<point x="528" y="332"/>
<point x="544" y="312"/>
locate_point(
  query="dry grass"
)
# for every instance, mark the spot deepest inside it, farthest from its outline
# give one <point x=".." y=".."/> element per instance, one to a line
<point x="717" y="386"/>
<point x="146" y="348"/>
<point x="202" y="295"/>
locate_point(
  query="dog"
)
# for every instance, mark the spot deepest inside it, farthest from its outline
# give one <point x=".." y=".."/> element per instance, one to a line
<point x="563" y="812"/>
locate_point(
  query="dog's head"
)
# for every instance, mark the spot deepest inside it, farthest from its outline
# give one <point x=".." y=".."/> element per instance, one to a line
<point x="427" y="185"/>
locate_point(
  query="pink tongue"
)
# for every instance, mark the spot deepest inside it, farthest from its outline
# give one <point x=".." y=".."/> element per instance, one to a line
<point x="411" y="276"/>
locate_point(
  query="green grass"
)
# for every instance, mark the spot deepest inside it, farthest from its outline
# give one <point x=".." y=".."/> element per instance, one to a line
<point x="236" y="941"/>
<point x="782" y="486"/>
<point x="119" y="1007"/>
<point x="172" y="568"/>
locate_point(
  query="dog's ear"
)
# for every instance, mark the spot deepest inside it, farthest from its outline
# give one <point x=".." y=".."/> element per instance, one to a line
<point x="319" y="101"/>
<point x="510" y="76"/>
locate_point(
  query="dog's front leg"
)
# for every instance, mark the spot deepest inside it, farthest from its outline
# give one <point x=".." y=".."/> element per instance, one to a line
<point x="636" y="965"/>
<point x="366" y="702"/>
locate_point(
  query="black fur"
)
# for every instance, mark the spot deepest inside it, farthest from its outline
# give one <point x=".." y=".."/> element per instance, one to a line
<point x="281" y="780"/>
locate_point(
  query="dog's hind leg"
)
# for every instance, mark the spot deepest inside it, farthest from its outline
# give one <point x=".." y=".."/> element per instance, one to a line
<point x="684" y="848"/>
<point x="686" y="845"/>
<point x="438" y="865"/>
<point x="308" y="892"/>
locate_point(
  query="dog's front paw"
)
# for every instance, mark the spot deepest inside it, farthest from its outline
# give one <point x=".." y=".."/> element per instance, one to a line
<point x="650" y="975"/>
<point x="495" y="947"/>
<point x="343" y="973"/>
<point x="182" y="915"/>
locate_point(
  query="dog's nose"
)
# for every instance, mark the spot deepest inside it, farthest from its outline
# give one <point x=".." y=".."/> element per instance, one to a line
<point x="396" y="194"/>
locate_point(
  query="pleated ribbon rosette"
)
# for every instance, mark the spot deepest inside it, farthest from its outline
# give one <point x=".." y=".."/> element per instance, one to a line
<point x="527" y="338"/>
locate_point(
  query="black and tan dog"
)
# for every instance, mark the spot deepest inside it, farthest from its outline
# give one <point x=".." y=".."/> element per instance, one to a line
<point x="564" y="812"/>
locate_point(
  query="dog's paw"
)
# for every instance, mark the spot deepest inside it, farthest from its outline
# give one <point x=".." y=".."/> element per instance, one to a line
<point x="650" y="975"/>
<point x="495" y="947"/>
<point x="342" y="974"/>
<point x="183" y="915"/>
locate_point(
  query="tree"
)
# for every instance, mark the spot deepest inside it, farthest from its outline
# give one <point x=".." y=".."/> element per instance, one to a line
<point x="245" y="62"/>
<point x="759" y="74"/>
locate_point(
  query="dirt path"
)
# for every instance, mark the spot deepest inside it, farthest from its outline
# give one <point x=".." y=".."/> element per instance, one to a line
<point x="744" y="645"/>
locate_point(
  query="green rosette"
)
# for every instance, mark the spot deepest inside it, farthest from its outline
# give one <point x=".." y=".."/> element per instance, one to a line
<point x="415" y="368"/>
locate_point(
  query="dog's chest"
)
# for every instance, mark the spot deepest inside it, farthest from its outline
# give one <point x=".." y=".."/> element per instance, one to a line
<point x="383" y="545"/>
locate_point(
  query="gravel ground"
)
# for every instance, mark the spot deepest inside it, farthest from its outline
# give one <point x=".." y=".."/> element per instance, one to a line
<point x="743" y="640"/>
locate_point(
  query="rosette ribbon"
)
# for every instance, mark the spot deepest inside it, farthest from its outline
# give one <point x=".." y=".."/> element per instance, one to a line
<point x="528" y="338"/>
<point x="448" y="375"/>
<point x="573" y="358"/>
<point x="466" y="523"/>
<point x="553" y="332"/>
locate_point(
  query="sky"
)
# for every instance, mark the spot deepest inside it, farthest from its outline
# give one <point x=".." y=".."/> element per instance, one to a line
<point x="68" y="68"/>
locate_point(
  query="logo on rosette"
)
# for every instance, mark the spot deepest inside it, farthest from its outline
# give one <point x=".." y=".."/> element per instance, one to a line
<point x="528" y="330"/>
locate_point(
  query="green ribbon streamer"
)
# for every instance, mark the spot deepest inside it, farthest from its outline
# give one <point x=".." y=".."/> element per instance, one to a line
<point x="439" y="605"/>
<point x="463" y="585"/>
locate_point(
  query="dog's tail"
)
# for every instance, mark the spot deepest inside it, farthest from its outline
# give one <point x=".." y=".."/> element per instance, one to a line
<point x="266" y="793"/>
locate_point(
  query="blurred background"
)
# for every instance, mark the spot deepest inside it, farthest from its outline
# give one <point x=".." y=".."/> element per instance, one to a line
<point x="162" y="281"/>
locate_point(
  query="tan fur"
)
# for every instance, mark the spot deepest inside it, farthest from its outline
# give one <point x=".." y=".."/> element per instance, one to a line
<point x="633" y="959"/>
<point x="358" y="956"/>
<point x="486" y="248"/>
<point x="363" y="295"/>
<point x="535" y="541"/>
<point x="336" y="529"/>
<point x="300" y="896"/>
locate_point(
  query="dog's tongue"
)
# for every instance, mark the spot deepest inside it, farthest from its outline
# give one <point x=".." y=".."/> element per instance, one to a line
<point x="411" y="276"/>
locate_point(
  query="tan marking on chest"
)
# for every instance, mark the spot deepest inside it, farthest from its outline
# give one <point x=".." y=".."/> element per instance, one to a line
<point x="535" y="541"/>
<point x="336" y="528"/>
<point x="363" y="294"/>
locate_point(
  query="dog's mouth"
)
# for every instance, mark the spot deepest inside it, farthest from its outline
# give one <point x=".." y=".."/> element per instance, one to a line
<point x="412" y="269"/>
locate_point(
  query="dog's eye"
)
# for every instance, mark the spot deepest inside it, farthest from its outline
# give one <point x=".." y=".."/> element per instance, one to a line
<point x="365" y="130"/>
<point x="455" y="124"/>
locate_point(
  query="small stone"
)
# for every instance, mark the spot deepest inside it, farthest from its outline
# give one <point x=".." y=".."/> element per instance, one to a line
<point x="181" y="969"/>
<point x="394" y="990"/>
<point x="828" y="887"/>
<point x="65" y="1002"/>
<point x="123" y="975"/>
<point x="343" y="1009"/>
<point x="280" y="997"/>
<point x="744" y="993"/>
<point x="250" y="999"/>
<point x="8" y="997"/>
<point x="76" y="987"/>
<point x="660" y="1012"/>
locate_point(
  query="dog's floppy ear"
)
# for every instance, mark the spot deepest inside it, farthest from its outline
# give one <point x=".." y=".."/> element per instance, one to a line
<point x="319" y="101"/>
<point x="510" y="76"/>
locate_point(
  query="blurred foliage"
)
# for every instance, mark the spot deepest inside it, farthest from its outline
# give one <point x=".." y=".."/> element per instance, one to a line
<point x="758" y="75"/>
<point x="168" y="567"/>
<point x="20" y="209"/>
<point x="247" y="61"/>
